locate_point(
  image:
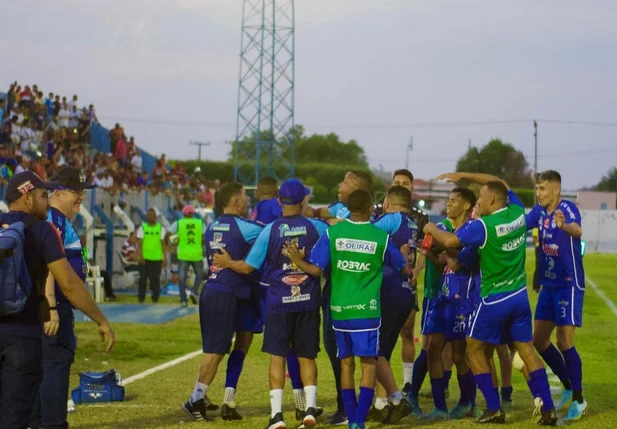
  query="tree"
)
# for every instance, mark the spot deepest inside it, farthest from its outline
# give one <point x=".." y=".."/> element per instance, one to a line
<point x="499" y="159"/>
<point x="608" y="182"/>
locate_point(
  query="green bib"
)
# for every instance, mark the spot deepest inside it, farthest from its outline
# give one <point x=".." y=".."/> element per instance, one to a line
<point x="190" y="233"/>
<point x="151" y="242"/>
<point x="502" y="256"/>
<point x="357" y="253"/>
<point x="432" y="275"/>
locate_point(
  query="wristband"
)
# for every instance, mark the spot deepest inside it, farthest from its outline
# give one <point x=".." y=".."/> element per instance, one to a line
<point x="53" y="308"/>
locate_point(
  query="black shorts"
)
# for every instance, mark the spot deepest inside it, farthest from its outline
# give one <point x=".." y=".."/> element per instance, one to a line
<point x="395" y="313"/>
<point x="217" y="316"/>
<point x="298" y="331"/>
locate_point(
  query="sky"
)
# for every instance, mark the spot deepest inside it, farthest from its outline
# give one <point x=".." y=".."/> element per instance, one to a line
<point x="378" y="72"/>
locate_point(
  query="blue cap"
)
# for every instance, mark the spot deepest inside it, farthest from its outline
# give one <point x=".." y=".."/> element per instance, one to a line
<point x="292" y="192"/>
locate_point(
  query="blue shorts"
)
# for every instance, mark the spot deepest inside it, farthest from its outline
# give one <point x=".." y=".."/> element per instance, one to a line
<point x="563" y="306"/>
<point x="457" y="316"/>
<point x="217" y="313"/>
<point x="357" y="343"/>
<point x="502" y="318"/>
<point x="297" y="331"/>
<point x="392" y="321"/>
<point x="433" y="317"/>
<point x="248" y="315"/>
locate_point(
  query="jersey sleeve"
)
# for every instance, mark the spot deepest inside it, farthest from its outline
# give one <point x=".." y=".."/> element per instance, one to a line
<point x="514" y="199"/>
<point x="389" y="223"/>
<point x="333" y="208"/>
<point x="52" y="243"/>
<point x="467" y="256"/>
<point x="320" y="255"/>
<point x="140" y="233"/>
<point x="249" y="230"/>
<point x="257" y="255"/>
<point x="533" y="217"/>
<point x="473" y="234"/>
<point x="320" y="226"/>
<point x="393" y="257"/>
<point x="571" y="212"/>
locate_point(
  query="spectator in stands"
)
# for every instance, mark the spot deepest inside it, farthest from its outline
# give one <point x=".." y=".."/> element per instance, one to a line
<point x="137" y="161"/>
<point x="120" y="152"/>
<point x="129" y="252"/>
<point x="64" y="116"/>
<point x="24" y="164"/>
<point x="151" y="251"/>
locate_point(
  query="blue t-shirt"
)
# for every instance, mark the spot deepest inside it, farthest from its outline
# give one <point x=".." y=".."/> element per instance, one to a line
<point x="403" y="231"/>
<point x="236" y="236"/>
<point x="561" y="264"/>
<point x="42" y="246"/>
<point x="266" y="211"/>
<point x="290" y="289"/>
<point x="72" y="246"/>
<point x="339" y="210"/>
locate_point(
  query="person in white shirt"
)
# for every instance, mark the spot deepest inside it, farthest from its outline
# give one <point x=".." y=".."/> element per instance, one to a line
<point x="64" y="116"/>
<point x="136" y="161"/>
<point x="23" y="165"/>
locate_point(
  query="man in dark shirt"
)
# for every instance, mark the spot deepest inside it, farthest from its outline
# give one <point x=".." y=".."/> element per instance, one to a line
<point x="21" y="333"/>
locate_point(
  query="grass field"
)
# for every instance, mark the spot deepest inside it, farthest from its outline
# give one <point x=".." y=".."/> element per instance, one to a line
<point x="154" y="402"/>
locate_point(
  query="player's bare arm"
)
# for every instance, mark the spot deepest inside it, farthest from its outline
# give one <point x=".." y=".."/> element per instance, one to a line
<point x="479" y="178"/>
<point x="223" y="260"/>
<point x="572" y="229"/>
<point x="296" y="256"/>
<point x="448" y="239"/>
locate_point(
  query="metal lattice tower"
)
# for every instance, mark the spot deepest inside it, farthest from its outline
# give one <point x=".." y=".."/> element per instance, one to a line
<point x="263" y="144"/>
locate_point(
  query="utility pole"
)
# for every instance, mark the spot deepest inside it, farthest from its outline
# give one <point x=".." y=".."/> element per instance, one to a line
<point x="199" y="144"/>
<point x="408" y="151"/>
<point x="535" y="158"/>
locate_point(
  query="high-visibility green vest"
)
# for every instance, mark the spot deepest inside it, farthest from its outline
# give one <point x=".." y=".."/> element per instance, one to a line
<point x="151" y="242"/>
<point x="190" y="233"/>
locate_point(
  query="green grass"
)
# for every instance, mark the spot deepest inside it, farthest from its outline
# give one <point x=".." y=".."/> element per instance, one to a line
<point x="154" y="402"/>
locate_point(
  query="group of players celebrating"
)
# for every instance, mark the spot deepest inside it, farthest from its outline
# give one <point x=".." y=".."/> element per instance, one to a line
<point x="265" y="275"/>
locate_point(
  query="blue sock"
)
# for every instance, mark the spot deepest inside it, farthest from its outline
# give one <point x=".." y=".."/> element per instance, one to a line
<point x="350" y="403"/>
<point x="542" y="387"/>
<point x="420" y="369"/>
<point x="485" y="384"/>
<point x="438" y="388"/>
<point x="472" y="389"/>
<point x="467" y="386"/>
<point x="447" y="375"/>
<point x="293" y="367"/>
<point x="464" y="399"/>
<point x="234" y="368"/>
<point x="532" y="389"/>
<point x="556" y="363"/>
<point x="365" y="400"/>
<point x="506" y="394"/>
<point x="575" y="371"/>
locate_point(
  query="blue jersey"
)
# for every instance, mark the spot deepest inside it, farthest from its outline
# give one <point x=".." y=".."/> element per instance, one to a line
<point x="339" y="210"/>
<point x="72" y="246"/>
<point x="236" y="236"/>
<point x="403" y="231"/>
<point x="289" y="288"/>
<point x="266" y="211"/>
<point x="561" y="263"/>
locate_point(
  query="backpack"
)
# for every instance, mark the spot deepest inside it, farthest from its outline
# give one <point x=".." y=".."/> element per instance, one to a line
<point x="15" y="283"/>
<point x="98" y="387"/>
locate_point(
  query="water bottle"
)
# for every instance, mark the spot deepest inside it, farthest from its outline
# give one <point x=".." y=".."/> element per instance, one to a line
<point x="427" y="243"/>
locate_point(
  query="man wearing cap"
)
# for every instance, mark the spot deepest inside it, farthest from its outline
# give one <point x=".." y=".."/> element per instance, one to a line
<point x="21" y="333"/>
<point x="59" y="340"/>
<point x="151" y="245"/>
<point x="293" y="299"/>
<point x="190" y="233"/>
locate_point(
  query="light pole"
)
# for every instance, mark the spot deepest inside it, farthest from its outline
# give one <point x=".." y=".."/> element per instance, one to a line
<point x="199" y="144"/>
<point x="535" y="159"/>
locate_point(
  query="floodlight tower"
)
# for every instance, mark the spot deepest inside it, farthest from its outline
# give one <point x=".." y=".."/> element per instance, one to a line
<point x="264" y="144"/>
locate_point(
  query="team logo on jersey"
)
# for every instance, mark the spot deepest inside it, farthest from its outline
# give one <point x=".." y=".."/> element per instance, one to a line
<point x="356" y="246"/>
<point x="507" y="228"/>
<point x="547" y="222"/>
<point x="353" y="266"/>
<point x="217" y="241"/>
<point x="564" y="303"/>
<point x="286" y="231"/>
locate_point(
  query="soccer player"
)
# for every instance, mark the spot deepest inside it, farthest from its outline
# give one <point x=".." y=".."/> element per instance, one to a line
<point x="561" y="275"/>
<point x="504" y="313"/>
<point x="223" y="303"/>
<point x="293" y="298"/>
<point x="356" y="251"/>
<point x="353" y="180"/>
<point x="268" y="209"/>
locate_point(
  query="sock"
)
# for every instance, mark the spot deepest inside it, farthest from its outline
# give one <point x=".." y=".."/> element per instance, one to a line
<point x="485" y="384"/>
<point x="438" y="388"/>
<point x="365" y="399"/>
<point x="407" y="372"/>
<point x="465" y="384"/>
<point x="472" y="389"/>
<point x="230" y="397"/>
<point x="420" y="369"/>
<point x="350" y="403"/>
<point x="542" y="387"/>
<point x="380" y="403"/>
<point x="300" y="399"/>
<point x="575" y="371"/>
<point x="396" y="397"/>
<point x="311" y="397"/>
<point x="276" y="402"/>
<point x="447" y="375"/>
<point x="234" y="368"/>
<point x="556" y="363"/>
<point x="532" y="389"/>
<point x="293" y="367"/>
<point x="506" y="394"/>
<point x="200" y="392"/>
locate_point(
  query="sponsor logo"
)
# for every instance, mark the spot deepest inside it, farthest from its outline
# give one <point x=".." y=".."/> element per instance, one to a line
<point x="221" y="227"/>
<point x="373" y="304"/>
<point x="513" y="244"/>
<point x="564" y="303"/>
<point x="356" y="246"/>
<point x="95" y="395"/>
<point x="550" y="249"/>
<point x="570" y="212"/>
<point x="286" y="231"/>
<point x="355" y="307"/>
<point x="294" y="280"/>
<point x="353" y="266"/>
<point x="336" y="308"/>
<point x="507" y="228"/>
<point x="296" y="296"/>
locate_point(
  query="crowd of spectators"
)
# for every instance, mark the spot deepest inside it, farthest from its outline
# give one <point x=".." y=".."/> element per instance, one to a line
<point x="45" y="134"/>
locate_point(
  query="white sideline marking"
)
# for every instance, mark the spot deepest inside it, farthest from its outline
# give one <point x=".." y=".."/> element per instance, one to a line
<point x="161" y="367"/>
<point x="605" y="298"/>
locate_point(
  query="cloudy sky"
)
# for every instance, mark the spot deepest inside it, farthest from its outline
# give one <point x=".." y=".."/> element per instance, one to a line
<point x="378" y="71"/>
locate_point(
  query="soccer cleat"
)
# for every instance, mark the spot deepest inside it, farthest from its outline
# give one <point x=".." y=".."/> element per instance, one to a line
<point x="310" y="418"/>
<point x="376" y="415"/>
<point x="566" y="397"/>
<point x="434" y="415"/>
<point x="337" y="419"/>
<point x="197" y="410"/>
<point x="210" y="406"/>
<point x="506" y="405"/>
<point x="229" y="413"/>
<point x="492" y="417"/>
<point x="397" y="412"/>
<point x="300" y="413"/>
<point x="537" y="402"/>
<point x="277" y="422"/>
<point x="549" y="418"/>
<point x="460" y="411"/>
<point x="415" y="405"/>
<point x="193" y="299"/>
<point x="576" y="410"/>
